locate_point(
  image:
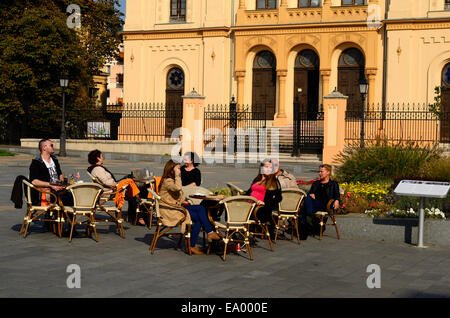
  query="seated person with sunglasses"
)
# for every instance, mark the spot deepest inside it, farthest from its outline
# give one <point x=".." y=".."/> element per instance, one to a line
<point x="45" y="172"/>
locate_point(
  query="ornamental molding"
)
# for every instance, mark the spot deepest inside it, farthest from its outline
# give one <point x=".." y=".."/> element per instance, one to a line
<point x="435" y="39"/>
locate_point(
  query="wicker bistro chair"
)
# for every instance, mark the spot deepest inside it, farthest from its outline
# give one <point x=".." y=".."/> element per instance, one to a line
<point x="113" y="212"/>
<point x="85" y="196"/>
<point x="162" y="230"/>
<point x="235" y="190"/>
<point x="329" y="213"/>
<point x="50" y="213"/>
<point x="287" y="215"/>
<point x="260" y="229"/>
<point x="238" y="210"/>
<point x="146" y="205"/>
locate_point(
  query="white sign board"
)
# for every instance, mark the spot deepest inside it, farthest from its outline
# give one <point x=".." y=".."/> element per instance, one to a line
<point x="98" y="129"/>
<point x="425" y="189"/>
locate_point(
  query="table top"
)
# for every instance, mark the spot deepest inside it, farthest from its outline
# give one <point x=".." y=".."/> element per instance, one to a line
<point x="213" y="197"/>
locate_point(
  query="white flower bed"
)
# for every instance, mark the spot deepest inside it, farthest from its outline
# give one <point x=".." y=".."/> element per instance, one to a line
<point x="433" y="213"/>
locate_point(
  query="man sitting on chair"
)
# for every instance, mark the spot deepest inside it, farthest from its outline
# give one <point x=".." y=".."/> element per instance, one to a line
<point x="45" y="172"/>
<point x="321" y="193"/>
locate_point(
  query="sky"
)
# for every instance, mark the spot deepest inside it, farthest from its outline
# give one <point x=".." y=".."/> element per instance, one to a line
<point x="122" y="6"/>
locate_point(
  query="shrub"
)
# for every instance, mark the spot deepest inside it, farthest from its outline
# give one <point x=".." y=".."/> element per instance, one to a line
<point x="437" y="170"/>
<point x="383" y="162"/>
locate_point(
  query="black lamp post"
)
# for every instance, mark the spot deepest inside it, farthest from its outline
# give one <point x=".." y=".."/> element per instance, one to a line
<point x="363" y="88"/>
<point x="64" y="82"/>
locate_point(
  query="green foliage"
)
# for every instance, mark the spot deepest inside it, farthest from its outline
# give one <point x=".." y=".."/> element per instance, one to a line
<point x="36" y="47"/>
<point x="221" y="191"/>
<point x="436" y="107"/>
<point x="438" y="169"/>
<point x="4" y="153"/>
<point x="383" y="162"/>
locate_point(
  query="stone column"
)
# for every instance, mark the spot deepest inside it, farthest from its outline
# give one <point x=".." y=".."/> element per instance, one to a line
<point x="193" y="123"/>
<point x="325" y="75"/>
<point x="281" y="119"/>
<point x="334" y="107"/>
<point x="371" y="77"/>
<point x="240" y="75"/>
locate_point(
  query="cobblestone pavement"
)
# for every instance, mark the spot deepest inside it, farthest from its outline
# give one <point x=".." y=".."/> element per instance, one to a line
<point x="114" y="267"/>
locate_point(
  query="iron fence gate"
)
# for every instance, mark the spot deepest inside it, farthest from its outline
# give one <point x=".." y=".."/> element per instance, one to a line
<point x="222" y="123"/>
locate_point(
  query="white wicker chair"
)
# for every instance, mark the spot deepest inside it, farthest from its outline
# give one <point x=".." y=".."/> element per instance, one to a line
<point x="288" y="210"/>
<point x="85" y="198"/>
<point x="50" y="213"/>
<point x="238" y="210"/>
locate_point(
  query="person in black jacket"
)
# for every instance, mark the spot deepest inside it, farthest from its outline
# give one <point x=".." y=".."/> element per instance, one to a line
<point x="320" y="194"/>
<point x="45" y="172"/>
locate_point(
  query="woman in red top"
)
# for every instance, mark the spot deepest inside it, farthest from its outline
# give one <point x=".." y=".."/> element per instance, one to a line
<point x="267" y="190"/>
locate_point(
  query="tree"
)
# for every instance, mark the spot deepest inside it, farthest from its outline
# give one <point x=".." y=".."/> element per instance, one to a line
<point x="36" y="47"/>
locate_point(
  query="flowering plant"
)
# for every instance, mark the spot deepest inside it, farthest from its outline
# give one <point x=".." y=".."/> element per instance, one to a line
<point x="433" y="213"/>
<point x="358" y="197"/>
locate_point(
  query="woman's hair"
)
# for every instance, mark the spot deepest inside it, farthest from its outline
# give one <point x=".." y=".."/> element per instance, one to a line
<point x="93" y="156"/>
<point x="168" y="172"/>
<point x="270" y="182"/>
<point x="193" y="156"/>
<point x="328" y="167"/>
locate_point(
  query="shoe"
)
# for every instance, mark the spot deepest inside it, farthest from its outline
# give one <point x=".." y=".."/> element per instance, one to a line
<point x="213" y="236"/>
<point x="196" y="251"/>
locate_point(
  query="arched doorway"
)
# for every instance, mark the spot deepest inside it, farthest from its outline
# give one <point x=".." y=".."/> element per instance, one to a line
<point x="445" y="104"/>
<point x="174" y="100"/>
<point x="306" y="81"/>
<point x="350" y="70"/>
<point x="264" y="84"/>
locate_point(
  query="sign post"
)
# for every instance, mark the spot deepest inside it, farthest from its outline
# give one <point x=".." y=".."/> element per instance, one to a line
<point x="422" y="189"/>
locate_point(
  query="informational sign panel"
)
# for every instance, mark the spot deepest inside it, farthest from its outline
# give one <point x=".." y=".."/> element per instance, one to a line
<point x="425" y="189"/>
<point x="98" y="129"/>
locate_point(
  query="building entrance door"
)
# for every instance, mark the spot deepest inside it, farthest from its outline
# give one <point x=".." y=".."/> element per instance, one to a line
<point x="264" y="84"/>
<point x="174" y="100"/>
<point x="350" y="71"/>
<point x="445" y="104"/>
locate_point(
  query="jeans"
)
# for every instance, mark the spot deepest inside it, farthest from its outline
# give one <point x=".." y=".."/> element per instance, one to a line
<point x="199" y="220"/>
<point x="311" y="205"/>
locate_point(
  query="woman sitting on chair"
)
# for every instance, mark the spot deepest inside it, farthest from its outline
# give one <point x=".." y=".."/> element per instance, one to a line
<point x="170" y="190"/>
<point x="108" y="180"/>
<point x="267" y="190"/>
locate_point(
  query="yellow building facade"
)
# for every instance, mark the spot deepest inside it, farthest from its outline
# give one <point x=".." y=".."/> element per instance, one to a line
<point x="270" y="53"/>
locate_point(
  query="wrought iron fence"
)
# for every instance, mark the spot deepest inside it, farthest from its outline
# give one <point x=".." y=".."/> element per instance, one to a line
<point x="394" y="123"/>
<point x="144" y="121"/>
<point x="222" y="122"/>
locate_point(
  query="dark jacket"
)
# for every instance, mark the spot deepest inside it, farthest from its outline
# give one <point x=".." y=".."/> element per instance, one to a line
<point x="39" y="171"/>
<point x="331" y="191"/>
<point x="17" y="191"/>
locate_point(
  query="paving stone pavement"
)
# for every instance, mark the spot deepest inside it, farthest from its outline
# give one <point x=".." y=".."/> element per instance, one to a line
<point x="114" y="267"/>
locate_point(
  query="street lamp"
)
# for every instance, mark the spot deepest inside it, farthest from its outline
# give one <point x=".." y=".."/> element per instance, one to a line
<point x="363" y="88"/>
<point x="63" y="82"/>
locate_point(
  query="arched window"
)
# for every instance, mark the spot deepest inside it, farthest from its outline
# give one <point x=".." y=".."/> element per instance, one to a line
<point x="177" y="10"/>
